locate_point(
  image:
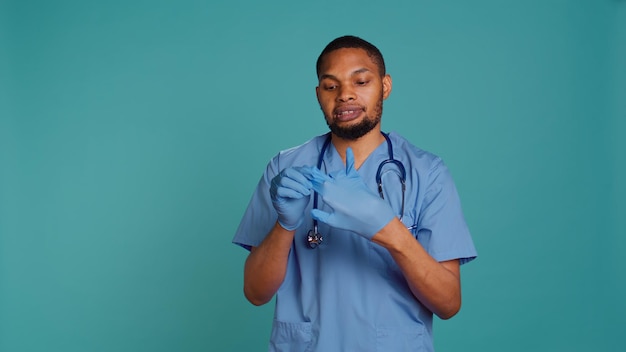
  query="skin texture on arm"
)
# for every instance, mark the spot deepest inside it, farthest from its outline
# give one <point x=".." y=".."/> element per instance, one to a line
<point x="266" y="266"/>
<point x="437" y="285"/>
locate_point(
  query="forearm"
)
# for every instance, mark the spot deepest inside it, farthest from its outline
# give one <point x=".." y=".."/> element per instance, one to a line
<point x="436" y="285"/>
<point x="266" y="265"/>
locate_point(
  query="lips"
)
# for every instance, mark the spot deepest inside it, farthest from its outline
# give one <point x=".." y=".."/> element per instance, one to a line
<point x="347" y="113"/>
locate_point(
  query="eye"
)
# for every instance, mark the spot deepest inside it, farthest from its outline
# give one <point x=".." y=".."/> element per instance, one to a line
<point x="330" y="86"/>
<point x="362" y="82"/>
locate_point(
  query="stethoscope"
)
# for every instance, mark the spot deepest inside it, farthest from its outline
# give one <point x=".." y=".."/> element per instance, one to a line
<point x="314" y="238"/>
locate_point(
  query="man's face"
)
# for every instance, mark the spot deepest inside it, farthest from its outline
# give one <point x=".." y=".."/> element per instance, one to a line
<point x="351" y="92"/>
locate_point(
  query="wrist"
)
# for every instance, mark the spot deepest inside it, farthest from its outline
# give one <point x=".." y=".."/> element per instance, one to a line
<point x="286" y="226"/>
<point x="281" y="236"/>
<point x="392" y="236"/>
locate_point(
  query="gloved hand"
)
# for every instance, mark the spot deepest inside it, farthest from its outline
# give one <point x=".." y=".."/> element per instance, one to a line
<point x="355" y="207"/>
<point x="290" y="192"/>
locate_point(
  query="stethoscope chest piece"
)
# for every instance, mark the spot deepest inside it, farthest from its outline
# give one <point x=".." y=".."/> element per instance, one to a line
<point x="313" y="239"/>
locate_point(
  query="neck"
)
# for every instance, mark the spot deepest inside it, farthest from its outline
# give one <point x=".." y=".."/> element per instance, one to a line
<point x="361" y="147"/>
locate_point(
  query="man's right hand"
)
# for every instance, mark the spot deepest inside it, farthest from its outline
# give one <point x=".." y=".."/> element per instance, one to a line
<point x="290" y="191"/>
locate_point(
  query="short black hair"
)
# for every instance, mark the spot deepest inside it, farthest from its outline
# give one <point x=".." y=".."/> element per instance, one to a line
<point x="350" y="41"/>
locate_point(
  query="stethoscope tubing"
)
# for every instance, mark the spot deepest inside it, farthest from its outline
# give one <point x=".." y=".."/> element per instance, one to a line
<point x="314" y="238"/>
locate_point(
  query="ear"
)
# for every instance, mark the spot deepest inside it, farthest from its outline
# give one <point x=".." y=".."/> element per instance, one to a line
<point x="317" y="93"/>
<point x="387" y="83"/>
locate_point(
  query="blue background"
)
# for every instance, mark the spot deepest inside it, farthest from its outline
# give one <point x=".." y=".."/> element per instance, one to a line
<point x="132" y="134"/>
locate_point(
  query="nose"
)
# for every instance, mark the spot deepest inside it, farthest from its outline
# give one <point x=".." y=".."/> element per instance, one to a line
<point x="346" y="93"/>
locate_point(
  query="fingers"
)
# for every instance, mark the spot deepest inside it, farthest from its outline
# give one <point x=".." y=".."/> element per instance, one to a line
<point x="296" y="175"/>
<point x="285" y="192"/>
<point x="296" y="182"/>
<point x="293" y="184"/>
<point x="313" y="174"/>
<point x="320" y="215"/>
<point x="319" y="187"/>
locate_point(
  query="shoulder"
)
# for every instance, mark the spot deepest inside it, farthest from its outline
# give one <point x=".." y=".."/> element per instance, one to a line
<point x="306" y="153"/>
<point x="425" y="166"/>
<point x="407" y="152"/>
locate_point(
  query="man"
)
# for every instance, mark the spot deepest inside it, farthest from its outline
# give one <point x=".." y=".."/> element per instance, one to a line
<point x="383" y="266"/>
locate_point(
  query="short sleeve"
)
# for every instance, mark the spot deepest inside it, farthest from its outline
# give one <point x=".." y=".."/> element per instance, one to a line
<point x="260" y="216"/>
<point x="441" y="225"/>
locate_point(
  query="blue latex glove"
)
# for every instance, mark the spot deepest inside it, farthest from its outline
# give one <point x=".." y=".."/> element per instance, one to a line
<point x="355" y="207"/>
<point x="290" y="191"/>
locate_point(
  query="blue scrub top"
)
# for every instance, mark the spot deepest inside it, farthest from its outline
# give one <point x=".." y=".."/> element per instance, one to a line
<point x="348" y="294"/>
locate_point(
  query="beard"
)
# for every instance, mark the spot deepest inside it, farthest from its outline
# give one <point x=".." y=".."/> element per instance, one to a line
<point x="359" y="129"/>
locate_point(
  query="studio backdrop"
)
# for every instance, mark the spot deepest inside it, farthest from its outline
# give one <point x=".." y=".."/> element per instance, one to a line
<point x="132" y="134"/>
